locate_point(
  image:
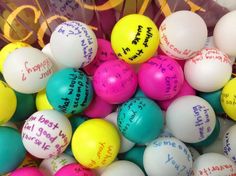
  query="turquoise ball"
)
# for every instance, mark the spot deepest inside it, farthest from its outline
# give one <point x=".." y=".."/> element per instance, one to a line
<point x="69" y="91"/>
<point x="213" y="98"/>
<point x="12" y="151"/>
<point x="140" y="120"/>
<point x="139" y="94"/>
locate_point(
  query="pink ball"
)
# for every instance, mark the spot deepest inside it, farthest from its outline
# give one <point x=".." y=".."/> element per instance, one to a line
<point x="98" y="108"/>
<point x="115" y="81"/>
<point x="185" y="90"/>
<point x="160" y="78"/>
<point x="74" y="169"/>
<point x="104" y="53"/>
<point x="27" y="171"/>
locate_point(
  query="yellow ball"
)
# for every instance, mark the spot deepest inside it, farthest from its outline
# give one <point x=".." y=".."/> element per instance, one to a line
<point x="7" y="102"/>
<point x="228" y="99"/>
<point x="95" y="143"/>
<point x="42" y="101"/>
<point x="8" y="49"/>
<point x="135" y="38"/>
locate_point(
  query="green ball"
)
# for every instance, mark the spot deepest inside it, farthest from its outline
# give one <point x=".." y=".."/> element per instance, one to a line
<point x="213" y="98"/>
<point x="213" y="136"/>
<point x="76" y="121"/>
<point x="25" y="107"/>
<point x="12" y="151"/>
<point x="134" y="155"/>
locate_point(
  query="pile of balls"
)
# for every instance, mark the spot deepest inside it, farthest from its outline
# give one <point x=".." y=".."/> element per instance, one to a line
<point x="155" y="102"/>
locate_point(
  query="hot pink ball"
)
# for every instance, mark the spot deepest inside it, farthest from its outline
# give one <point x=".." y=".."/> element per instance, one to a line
<point x="115" y="81"/>
<point x="160" y="78"/>
<point x="98" y="108"/>
<point x="74" y="169"/>
<point x="185" y="90"/>
<point x="104" y="53"/>
<point x="27" y="171"/>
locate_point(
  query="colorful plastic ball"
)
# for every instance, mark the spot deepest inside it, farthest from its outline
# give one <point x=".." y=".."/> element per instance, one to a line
<point x="46" y="133"/>
<point x="209" y="71"/>
<point x="134" y="155"/>
<point x="140" y="120"/>
<point x="47" y="51"/>
<point x="27" y="171"/>
<point x="224" y="34"/>
<point x="186" y="89"/>
<point x="41" y="101"/>
<point x="69" y="91"/>
<point x="74" y="170"/>
<point x="27" y="70"/>
<point x="160" y="78"/>
<point x="213" y="164"/>
<point x="190" y="119"/>
<point x="25" y="106"/>
<point x="12" y="151"/>
<point x="9" y="48"/>
<point x="95" y="143"/>
<point x="50" y="166"/>
<point x="125" y="144"/>
<point x="229" y="143"/>
<point x="167" y="156"/>
<point x="210" y="139"/>
<point x="228" y="101"/>
<point x="98" y="108"/>
<point x="176" y="34"/>
<point x="124" y="168"/>
<point x="104" y="53"/>
<point x="213" y="98"/>
<point x="115" y="81"/>
<point x="73" y="44"/>
<point x="8" y="102"/>
<point x="139" y="94"/>
<point x="135" y="38"/>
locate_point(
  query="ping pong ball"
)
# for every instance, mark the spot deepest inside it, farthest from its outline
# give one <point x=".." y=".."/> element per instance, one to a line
<point x="46" y="133"/>
<point x="167" y="156"/>
<point x="73" y="44"/>
<point x="213" y="164"/>
<point x="115" y="81"/>
<point x="190" y="118"/>
<point x="209" y="71"/>
<point x="95" y="143"/>
<point x="228" y="99"/>
<point x="8" y="102"/>
<point x="26" y="171"/>
<point x="160" y="78"/>
<point x="140" y="120"/>
<point x="182" y="34"/>
<point x="125" y="144"/>
<point x="124" y="168"/>
<point x="229" y="143"/>
<point x="224" y="33"/>
<point x="74" y="169"/>
<point x="27" y="70"/>
<point x="135" y="38"/>
<point x="41" y="101"/>
<point x="50" y="166"/>
<point x="9" y="48"/>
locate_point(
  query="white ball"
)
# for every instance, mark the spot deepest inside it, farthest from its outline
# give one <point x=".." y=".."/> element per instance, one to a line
<point x="47" y="51"/>
<point x="190" y="119"/>
<point x="209" y="71"/>
<point x="122" y="168"/>
<point x="225" y="35"/>
<point x="229" y="143"/>
<point x="46" y="133"/>
<point x="229" y="4"/>
<point x="125" y="144"/>
<point x="51" y="165"/>
<point x="182" y="34"/>
<point x="27" y="70"/>
<point x="73" y="44"/>
<point x="167" y="156"/>
<point x="213" y="164"/>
